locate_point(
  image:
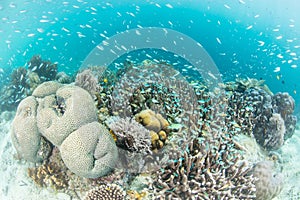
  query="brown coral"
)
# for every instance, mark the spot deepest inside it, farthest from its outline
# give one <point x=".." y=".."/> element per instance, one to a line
<point x="49" y="175"/>
<point x="106" y="192"/>
<point x="157" y="125"/>
<point x="210" y="170"/>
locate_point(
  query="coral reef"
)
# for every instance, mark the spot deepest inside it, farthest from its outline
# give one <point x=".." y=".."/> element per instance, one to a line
<point x="269" y="118"/>
<point x="49" y="175"/>
<point x="18" y="77"/>
<point x="87" y="81"/>
<point x="130" y="135"/>
<point x="45" y="69"/>
<point x="272" y="135"/>
<point x="18" y="88"/>
<point x="267" y="184"/>
<point x="284" y="104"/>
<point x="62" y="114"/>
<point x="106" y="192"/>
<point x="23" y="81"/>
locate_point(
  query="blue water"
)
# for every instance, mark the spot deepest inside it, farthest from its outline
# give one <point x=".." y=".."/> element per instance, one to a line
<point x="244" y="38"/>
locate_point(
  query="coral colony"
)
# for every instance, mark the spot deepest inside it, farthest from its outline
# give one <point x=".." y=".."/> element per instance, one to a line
<point x="134" y="134"/>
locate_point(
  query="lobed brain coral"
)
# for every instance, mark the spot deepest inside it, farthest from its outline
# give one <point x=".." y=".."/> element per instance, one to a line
<point x="93" y="148"/>
<point x="24" y="133"/>
<point x="64" y="112"/>
<point x="65" y="116"/>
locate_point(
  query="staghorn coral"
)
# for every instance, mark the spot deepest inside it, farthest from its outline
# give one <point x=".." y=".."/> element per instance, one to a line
<point x="210" y="170"/>
<point x="106" y="192"/>
<point x="130" y="135"/>
<point x="153" y="96"/>
<point x="241" y="85"/>
<point x="93" y="148"/>
<point x="267" y="185"/>
<point x="87" y="81"/>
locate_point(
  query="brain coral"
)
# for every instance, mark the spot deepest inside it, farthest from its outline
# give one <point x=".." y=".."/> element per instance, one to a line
<point x="46" y="89"/>
<point x="25" y="135"/>
<point x="93" y="148"/>
<point x="65" y="114"/>
<point x="74" y="107"/>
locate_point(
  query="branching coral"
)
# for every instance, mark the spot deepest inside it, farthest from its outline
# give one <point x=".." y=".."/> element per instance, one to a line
<point x="206" y="171"/>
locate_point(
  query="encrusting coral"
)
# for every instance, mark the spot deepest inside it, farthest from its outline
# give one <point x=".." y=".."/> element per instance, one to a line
<point x="62" y="114"/>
